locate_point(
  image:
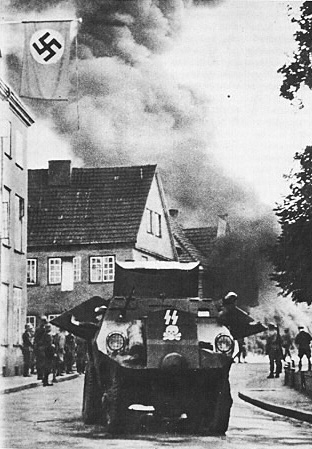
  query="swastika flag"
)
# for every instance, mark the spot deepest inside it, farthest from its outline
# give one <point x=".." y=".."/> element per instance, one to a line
<point x="46" y="60"/>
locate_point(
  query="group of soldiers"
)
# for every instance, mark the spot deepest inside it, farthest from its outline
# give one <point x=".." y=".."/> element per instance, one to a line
<point x="48" y="354"/>
<point x="279" y="347"/>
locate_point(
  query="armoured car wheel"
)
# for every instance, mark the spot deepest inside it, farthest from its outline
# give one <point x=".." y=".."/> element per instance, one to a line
<point x="91" y="407"/>
<point x="114" y="407"/>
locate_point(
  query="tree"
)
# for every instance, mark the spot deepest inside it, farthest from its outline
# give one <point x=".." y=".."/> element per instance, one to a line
<point x="299" y="71"/>
<point x="292" y="255"/>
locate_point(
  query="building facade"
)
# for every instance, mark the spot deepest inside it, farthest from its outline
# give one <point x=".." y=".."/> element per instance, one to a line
<point x="83" y="220"/>
<point x="14" y="122"/>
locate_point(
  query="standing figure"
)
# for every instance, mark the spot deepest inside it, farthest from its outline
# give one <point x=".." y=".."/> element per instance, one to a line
<point x="38" y="347"/>
<point x="49" y="354"/>
<point x="27" y="349"/>
<point x="302" y="341"/>
<point x="242" y="350"/>
<point x="70" y="352"/>
<point x="59" y="341"/>
<point x="287" y="344"/>
<point x="274" y="351"/>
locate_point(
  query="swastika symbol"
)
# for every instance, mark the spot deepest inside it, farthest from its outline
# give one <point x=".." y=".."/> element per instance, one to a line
<point x="46" y="46"/>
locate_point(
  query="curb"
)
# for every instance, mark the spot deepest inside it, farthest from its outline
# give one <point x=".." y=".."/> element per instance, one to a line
<point x="36" y="384"/>
<point x="280" y="410"/>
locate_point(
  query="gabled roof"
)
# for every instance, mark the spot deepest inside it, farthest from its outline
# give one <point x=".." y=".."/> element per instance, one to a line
<point x="88" y="205"/>
<point x="187" y="252"/>
<point x="202" y="238"/>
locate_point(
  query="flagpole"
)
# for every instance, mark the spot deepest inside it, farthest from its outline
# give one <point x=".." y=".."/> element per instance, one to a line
<point x="13" y="22"/>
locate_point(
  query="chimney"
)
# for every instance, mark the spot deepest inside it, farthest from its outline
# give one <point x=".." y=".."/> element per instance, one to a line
<point x="222" y="225"/>
<point x="59" y="173"/>
<point x="174" y="213"/>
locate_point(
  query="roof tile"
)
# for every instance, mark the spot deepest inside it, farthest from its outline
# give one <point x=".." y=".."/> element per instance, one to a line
<point x="103" y="205"/>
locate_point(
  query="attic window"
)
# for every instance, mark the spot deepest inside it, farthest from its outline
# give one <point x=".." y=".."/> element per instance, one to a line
<point x="116" y="177"/>
<point x="153" y="223"/>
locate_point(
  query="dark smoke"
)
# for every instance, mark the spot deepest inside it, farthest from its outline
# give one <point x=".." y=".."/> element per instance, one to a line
<point x="130" y="112"/>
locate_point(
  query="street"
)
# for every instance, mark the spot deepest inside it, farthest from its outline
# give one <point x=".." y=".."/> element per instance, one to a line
<point x="51" y="417"/>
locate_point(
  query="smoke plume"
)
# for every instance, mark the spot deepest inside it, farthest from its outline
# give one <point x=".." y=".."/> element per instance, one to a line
<point x="130" y="112"/>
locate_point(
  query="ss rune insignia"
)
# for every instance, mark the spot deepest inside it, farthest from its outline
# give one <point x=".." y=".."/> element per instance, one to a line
<point x="47" y="46"/>
<point x="172" y="331"/>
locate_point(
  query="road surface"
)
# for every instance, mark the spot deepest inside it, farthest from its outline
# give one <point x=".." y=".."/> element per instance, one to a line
<point x="47" y="418"/>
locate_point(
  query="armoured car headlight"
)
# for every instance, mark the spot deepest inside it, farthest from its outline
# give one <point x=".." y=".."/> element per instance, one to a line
<point x="224" y="343"/>
<point x="115" y="341"/>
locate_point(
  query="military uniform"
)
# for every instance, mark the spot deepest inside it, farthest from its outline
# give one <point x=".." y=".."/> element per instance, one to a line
<point x="303" y="340"/>
<point x="275" y="352"/>
<point x="49" y="354"/>
<point x="27" y="349"/>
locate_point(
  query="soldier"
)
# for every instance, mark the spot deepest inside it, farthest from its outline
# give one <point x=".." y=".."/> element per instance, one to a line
<point x="49" y="354"/>
<point x="27" y="349"/>
<point x="274" y="351"/>
<point x="303" y="340"/>
<point x="70" y="352"/>
<point x="38" y="347"/>
<point x="59" y="341"/>
<point x="287" y="344"/>
<point x="229" y="303"/>
<point x="242" y="350"/>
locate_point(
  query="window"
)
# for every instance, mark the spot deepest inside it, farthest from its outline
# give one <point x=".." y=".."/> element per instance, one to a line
<point x="153" y="223"/>
<point x="31" y="319"/>
<point x="55" y="270"/>
<point x="4" y="314"/>
<point x="102" y="269"/>
<point x="19" y="222"/>
<point x="157" y="224"/>
<point x="5" y="137"/>
<point x="6" y="216"/>
<point x="77" y="269"/>
<point x="19" y="148"/>
<point x="31" y="271"/>
<point x="149" y="221"/>
<point x="17" y="315"/>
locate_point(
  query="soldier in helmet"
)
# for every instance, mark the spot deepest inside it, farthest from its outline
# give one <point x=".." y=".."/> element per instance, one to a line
<point x="228" y="307"/>
<point x="274" y="350"/>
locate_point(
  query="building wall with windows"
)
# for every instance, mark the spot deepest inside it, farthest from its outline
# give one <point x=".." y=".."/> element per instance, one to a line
<point x="59" y="280"/>
<point x="14" y="122"/>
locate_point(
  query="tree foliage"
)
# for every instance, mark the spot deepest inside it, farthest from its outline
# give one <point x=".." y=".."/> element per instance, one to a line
<point x="299" y="71"/>
<point x="292" y="256"/>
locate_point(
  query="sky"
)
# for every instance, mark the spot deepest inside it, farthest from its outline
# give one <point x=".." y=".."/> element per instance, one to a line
<point x="228" y="54"/>
<point x="232" y="53"/>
